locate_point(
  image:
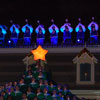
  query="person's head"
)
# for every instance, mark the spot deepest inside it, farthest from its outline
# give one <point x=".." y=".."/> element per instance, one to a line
<point x="51" y="83"/>
<point x="40" y="73"/>
<point x="65" y="87"/>
<point x="1" y="98"/>
<point x="24" y="96"/>
<point x="53" y="28"/>
<point x="46" y="82"/>
<point x="55" y="99"/>
<point x="93" y="27"/>
<point x="12" y="90"/>
<point x="38" y="90"/>
<point x="2" y="93"/>
<point x="41" y="81"/>
<point x="21" y="81"/>
<point x="35" y="98"/>
<point x="17" y="88"/>
<point x="60" y="94"/>
<point x="29" y="89"/>
<point x="40" y="30"/>
<point x="67" y="97"/>
<point x="10" y="83"/>
<point x="27" y="28"/>
<point x="54" y="91"/>
<point x="7" y="90"/>
<point x="33" y="79"/>
<point x="82" y="98"/>
<point x="59" y="86"/>
<point x="14" y="29"/>
<point x="1" y="88"/>
<point x="6" y="85"/>
<point x="29" y="68"/>
<point x="45" y="90"/>
<point x="74" y="98"/>
<point x="80" y="28"/>
<point x="15" y="83"/>
<point x="66" y="28"/>
<point x="40" y="69"/>
<point x="29" y="73"/>
<point x="9" y="97"/>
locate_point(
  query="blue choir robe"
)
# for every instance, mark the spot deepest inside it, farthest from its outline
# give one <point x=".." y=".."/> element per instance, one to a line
<point x="80" y="35"/>
<point x="27" y="34"/>
<point x="53" y="34"/>
<point x="54" y="30"/>
<point x="54" y="38"/>
<point x="94" y="33"/>
<point x="27" y="30"/>
<point x="66" y="35"/>
<point x="40" y="38"/>
<point x="40" y="35"/>
<point x="27" y="37"/>
<point x="80" y="30"/>
<point x="14" y="35"/>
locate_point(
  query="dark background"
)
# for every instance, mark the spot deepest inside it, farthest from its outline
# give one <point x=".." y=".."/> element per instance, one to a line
<point x="45" y="10"/>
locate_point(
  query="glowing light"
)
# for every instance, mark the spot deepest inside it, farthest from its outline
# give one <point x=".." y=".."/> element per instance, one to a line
<point x="39" y="53"/>
<point x="42" y="28"/>
<point x="78" y="40"/>
<point x="29" y="26"/>
<point x="9" y="41"/>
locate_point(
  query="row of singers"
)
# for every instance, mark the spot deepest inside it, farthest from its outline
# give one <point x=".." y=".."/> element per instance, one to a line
<point x="53" y="29"/>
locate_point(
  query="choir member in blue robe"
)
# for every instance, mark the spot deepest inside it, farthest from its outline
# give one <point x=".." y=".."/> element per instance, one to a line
<point x="67" y="30"/>
<point x="54" y="30"/>
<point x="40" y="31"/>
<point x="14" y="29"/>
<point x="27" y="30"/>
<point x="93" y="28"/>
<point x="80" y="30"/>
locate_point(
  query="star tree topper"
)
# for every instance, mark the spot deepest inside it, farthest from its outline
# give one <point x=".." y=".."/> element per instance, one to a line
<point x="39" y="53"/>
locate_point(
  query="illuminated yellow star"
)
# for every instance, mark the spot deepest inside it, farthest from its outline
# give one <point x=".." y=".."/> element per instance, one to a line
<point x="39" y="53"/>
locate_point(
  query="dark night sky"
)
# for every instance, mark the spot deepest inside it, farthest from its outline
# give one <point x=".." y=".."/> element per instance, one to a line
<point x="44" y="10"/>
